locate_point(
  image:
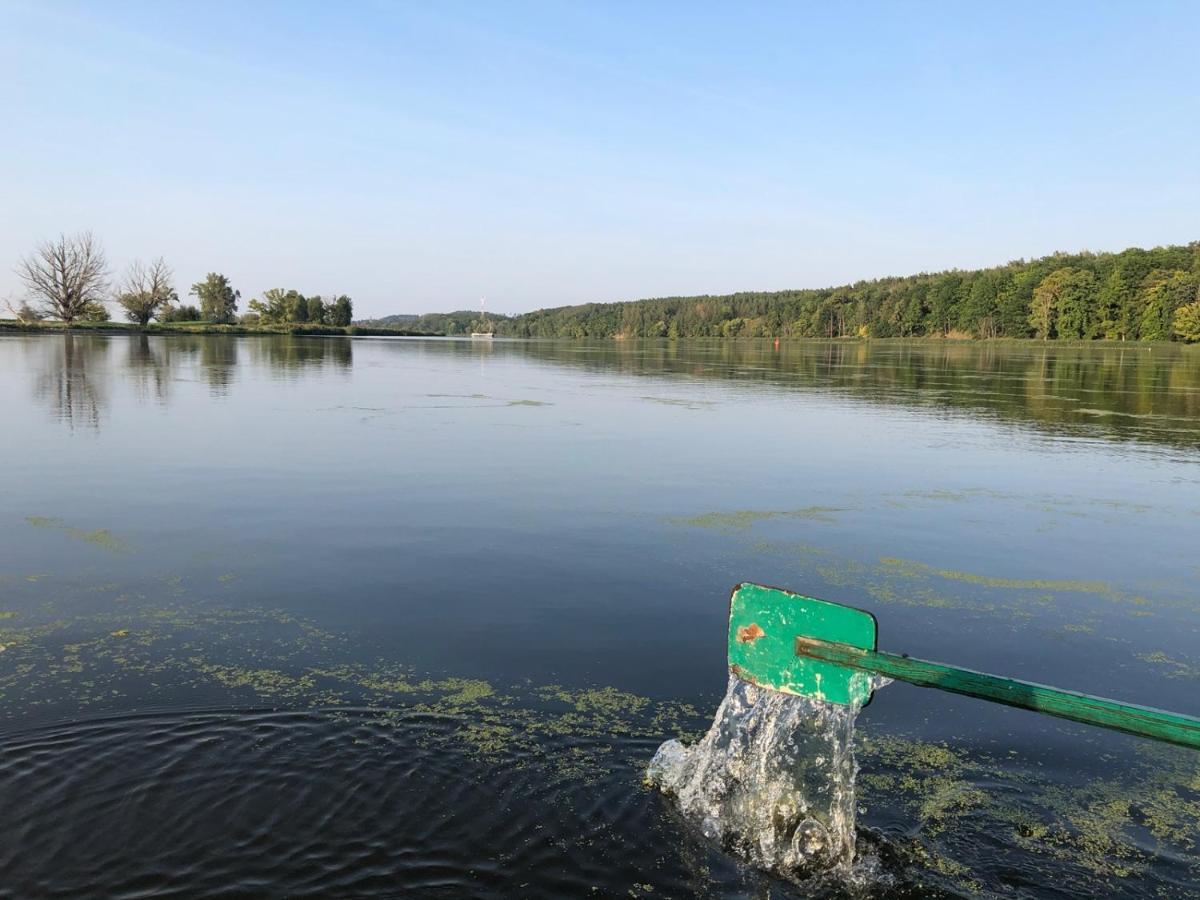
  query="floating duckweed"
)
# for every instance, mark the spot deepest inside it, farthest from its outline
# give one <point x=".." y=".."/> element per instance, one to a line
<point x="684" y="402"/>
<point x="911" y="568"/>
<point x="101" y="536"/>
<point x="268" y="682"/>
<point x="488" y="739"/>
<point x="1093" y="828"/>
<point x="743" y="519"/>
<point x="460" y="691"/>
<point x="606" y="701"/>
<point x="1175" y="668"/>
<point x="940" y="794"/>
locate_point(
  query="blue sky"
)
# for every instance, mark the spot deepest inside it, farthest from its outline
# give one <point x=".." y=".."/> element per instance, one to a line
<point x="419" y="155"/>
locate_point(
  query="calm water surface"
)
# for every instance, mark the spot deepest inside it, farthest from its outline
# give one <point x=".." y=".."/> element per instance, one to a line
<point x="329" y="617"/>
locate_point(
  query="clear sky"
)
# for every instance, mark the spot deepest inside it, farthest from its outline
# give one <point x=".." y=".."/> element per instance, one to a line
<point x="419" y="155"/>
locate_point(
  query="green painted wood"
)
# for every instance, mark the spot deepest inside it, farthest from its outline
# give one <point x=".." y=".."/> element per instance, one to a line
<point x="763" y="624"/>
<point x="1144" y="721"/>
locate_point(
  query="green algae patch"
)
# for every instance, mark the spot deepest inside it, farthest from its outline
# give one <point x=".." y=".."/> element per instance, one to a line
<point x="266" y="682"/>
<point x="605" y="702"/>
<point x="744" y="519"/>
<point x="101" y="537"/>
<point x="1175" y="668"/>
<point x="937" y="801"/>
<point x="1091" y="833"/>
<point x="7" y="614"/>
<point x="460" y="691"/>
<point x="528" y="403"/>
<point x="910" y="568"/>
<point x="681" y="402"/>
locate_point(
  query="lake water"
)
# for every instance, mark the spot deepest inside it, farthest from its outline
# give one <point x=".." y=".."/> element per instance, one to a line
<point x="332" y="617"/>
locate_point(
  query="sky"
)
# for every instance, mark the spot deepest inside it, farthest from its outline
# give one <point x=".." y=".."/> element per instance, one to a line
<point x="418" y="156"/>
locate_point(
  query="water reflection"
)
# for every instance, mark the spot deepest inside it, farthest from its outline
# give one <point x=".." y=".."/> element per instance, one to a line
<point x="1140" y="393"/>
<point x="66" y="380"/>
<point x="1149" y="394"/>
<point x="150" y="363"/>
<point x="72" y="374"/>
<point x="218" y="359"/>
<point x="290" y="353"/>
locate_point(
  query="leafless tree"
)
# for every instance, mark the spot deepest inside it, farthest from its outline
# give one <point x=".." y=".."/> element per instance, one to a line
<point x="66" y="276"/>
<point x="24" y="312"/>
<point x="146" y="290"/>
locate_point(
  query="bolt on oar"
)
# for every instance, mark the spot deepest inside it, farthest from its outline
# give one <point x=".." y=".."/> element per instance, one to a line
<point x="826" y="651"/>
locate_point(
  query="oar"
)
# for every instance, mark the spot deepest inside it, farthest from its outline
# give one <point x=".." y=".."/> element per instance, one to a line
<point x="826" y="651"/>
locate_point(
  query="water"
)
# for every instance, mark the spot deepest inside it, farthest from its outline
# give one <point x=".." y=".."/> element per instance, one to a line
<point x="772" y="780"/>
<point x="314" y="617"/>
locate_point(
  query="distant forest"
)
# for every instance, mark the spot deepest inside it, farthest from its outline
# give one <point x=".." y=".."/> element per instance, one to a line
<point x="1149" y="295"/>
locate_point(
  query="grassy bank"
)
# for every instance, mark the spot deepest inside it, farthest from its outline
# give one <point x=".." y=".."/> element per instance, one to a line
<point x="208" y="328"/>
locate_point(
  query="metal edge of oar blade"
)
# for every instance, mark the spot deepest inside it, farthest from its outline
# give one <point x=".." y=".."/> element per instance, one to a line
<point x="763" y="624"/>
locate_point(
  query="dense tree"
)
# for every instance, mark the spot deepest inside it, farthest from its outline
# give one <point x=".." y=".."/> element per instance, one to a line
<point x="1187" y="322"/>
<point x="67" y="276"/>
<point x="341" y="311"/>
<point x="94" y="312"/>
<point x="1044" y="306"/>
<point x="1073" y="302"/>
<point x="275" y="305"/>
<point x="186" y="313"/>
<point x="1163" y="293"/>
<point x="146" y="291"/>
<point x="218" y="299"/>
<point x="1095" y="295"/>
<point x="279" y="306"/>
<point x="298" y="306"/>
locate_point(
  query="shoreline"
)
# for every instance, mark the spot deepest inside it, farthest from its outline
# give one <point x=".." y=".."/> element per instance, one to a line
<point x="160" y="328"/>
<point x="303" y="330"/>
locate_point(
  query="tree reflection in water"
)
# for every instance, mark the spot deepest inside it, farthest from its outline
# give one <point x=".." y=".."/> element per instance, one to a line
<point x="69" y="381"/>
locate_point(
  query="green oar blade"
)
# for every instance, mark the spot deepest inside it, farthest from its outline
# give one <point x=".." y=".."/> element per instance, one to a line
<point x="763" y="625"/>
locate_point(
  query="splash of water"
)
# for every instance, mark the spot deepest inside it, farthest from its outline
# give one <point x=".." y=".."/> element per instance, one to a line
<point x="772" y="780"/>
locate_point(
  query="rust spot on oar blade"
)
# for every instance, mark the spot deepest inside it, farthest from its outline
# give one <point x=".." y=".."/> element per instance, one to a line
<point x="748" y="634"/>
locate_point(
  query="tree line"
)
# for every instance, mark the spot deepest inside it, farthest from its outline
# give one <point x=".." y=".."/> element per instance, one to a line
<point x="68" y="279"/>
<point x="1137" y="294"/>
<point x="461" y="321"/>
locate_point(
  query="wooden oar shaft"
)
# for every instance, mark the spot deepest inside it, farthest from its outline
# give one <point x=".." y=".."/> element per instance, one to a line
<point x="1144" y="721"/>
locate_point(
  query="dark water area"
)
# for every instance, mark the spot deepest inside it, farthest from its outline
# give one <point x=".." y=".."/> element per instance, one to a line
<point x="288" y="616"/>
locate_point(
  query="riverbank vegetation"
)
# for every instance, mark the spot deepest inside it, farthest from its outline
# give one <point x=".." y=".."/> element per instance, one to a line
<point x="1134" y="295"/>
<point x="1137" y="294"/>
<point x="67" y="282"/>
<point x="108" y="326"/>
<point x="462" y="321"/>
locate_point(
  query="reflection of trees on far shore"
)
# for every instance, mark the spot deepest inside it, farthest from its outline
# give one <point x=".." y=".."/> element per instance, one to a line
<point x="150" y="363"/>
<point x="218" y="359"/>
<point x="1135" y="391"/>
<point x="219" y="355"/>
<point x="70" y="379"/>
<point x="291" y="352"/>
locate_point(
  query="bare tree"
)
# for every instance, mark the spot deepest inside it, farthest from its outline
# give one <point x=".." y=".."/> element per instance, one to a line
<point x="146" y="290"/>
<point x="66" y="276"/>
<point x="24" y="313"/>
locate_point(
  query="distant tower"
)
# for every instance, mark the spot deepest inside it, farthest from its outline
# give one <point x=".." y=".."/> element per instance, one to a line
<point x="483" y="323"/>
